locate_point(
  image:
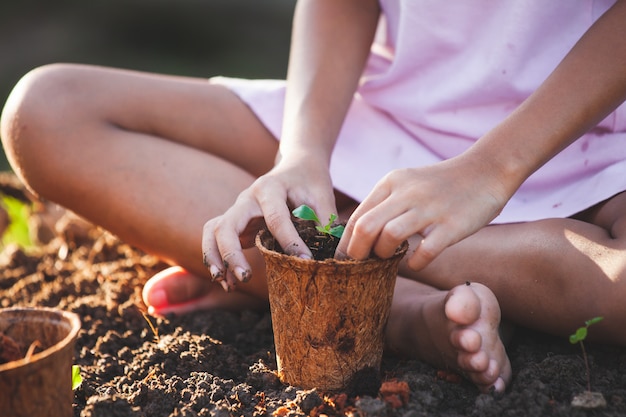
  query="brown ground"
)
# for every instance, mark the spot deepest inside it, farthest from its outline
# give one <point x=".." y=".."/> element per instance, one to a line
<point x="221" y="363"/>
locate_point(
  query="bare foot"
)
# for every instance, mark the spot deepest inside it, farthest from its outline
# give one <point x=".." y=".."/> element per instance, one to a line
<point x="455" y="330"/>
<point x="177" y="291"/>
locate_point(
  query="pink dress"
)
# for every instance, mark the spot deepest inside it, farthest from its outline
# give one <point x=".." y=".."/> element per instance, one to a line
<point x="440" y="75"/>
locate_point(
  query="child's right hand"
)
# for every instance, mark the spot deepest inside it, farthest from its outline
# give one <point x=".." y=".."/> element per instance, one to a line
<point x="268" y="201"/>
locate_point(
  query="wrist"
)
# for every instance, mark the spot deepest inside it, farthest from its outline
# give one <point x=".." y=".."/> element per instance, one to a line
<point x="304" y="152"/>
<point x="503" y="173"/>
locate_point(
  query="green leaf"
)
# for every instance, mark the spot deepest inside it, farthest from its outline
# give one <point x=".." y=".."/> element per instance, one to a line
<point x="305" y="212"/>
<point x="77" y="379"/>
<point x="593" y="321"/>
<point x="337" y="231"/>
<point x="17" y="232"/>
<point x="579" y="336"/>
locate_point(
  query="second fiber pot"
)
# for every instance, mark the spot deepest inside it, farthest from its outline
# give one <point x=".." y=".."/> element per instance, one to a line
<point x="39" y="384"/>
<point x="328" y="316"/>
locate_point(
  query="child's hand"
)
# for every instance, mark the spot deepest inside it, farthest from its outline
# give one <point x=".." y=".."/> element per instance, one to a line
<point x="266" y="201"/>
<point x="443" y="203"/>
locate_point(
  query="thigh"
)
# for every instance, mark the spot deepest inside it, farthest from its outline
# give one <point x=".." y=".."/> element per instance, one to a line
<point x="65" y="99"/>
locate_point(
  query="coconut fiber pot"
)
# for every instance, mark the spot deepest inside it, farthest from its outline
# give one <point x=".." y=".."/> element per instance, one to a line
<point x="328" y="316"/>
<point x="41" y="384"/>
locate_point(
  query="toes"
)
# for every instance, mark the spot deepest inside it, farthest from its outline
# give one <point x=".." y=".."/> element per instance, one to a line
<point x="463" y="305"/>
<point x="173" y="286"/>
<point x="499" y="385"/>
<point x="197" y="304"/>
<point x="480" y="352"/>
<point x="466" y="340"/>
<point x="473" y="362"/>
<point x="176" y="291"/>
<point x="495" y="378"/>
<point x="490" y="379"/>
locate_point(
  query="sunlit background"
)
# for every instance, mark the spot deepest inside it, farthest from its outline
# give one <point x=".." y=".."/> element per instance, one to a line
<point x="244" y="38"/>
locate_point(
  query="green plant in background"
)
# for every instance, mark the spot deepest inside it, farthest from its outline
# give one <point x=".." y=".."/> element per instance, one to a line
<point x="77" y="379"/>
<point x="578" y="337"/>
<point x="305" y="212"/>
<point x="17" y="230"/>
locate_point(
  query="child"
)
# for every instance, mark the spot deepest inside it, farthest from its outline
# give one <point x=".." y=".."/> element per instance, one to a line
<point x="491" y="135"/>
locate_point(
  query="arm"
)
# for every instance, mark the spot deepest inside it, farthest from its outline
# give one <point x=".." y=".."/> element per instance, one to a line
<point x="330" y="44"/>
<point x="451" y="200"/>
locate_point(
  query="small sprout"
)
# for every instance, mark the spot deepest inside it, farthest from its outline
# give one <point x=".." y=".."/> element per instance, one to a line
<point x="77" y="379"/>
<point x="155" y="331"/>
<point x="305" y="212"/>
<point x="16" y="228"/>
<point x="578" y="337"/>
<point x="581" y="332"/>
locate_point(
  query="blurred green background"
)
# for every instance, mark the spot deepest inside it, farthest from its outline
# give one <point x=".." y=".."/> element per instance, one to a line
<point x="242" y="38"/>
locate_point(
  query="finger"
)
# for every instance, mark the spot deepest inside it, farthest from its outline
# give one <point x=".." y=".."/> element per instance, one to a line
<point x="369" y="229"/>
<point x="319" y="197"/>
<point x="226" y="232"/>
<point x="434" y="241"/>
<point x="211" y="257"/>
<point x="279" y="223"/>
<point x="346" y="247"/>
<point x="396" y="231"/>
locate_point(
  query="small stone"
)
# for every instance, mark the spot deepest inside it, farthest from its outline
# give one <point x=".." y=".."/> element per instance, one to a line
<point x="589" y="400"/>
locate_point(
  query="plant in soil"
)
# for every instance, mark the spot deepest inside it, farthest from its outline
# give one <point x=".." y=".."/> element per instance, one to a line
<point x="578" y="337"/>
<point x="328" y="315"/>
<point x="322" y="239"/>
<point x="587" y="399"/>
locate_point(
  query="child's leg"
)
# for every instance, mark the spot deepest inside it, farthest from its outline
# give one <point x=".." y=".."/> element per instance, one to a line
<point x="150" y="158"/>
<point x="549" y="275"/>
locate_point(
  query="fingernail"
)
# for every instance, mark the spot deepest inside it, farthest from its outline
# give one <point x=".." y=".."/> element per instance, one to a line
<point x="157" y="299"/>
<point x="242" y="275"/>
<point x="216" y="272"/>
<point x="304" y="256"/>
<point x="224" y="285"/>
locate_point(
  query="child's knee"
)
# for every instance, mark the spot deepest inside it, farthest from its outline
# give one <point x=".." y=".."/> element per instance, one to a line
<point x="36" y="107"/>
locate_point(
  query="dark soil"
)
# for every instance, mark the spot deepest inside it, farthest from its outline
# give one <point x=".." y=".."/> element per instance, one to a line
<point x="221" y="363"/>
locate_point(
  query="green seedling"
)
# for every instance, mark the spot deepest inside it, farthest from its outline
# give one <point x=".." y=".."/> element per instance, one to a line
<point x="305" y="212"/>
<point x="17" y="230"/>
<point x="77" y="379"/>
<point x="578" y="337"/>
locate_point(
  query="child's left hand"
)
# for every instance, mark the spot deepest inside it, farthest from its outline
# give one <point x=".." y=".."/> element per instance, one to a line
<point x="443" y="203"/>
